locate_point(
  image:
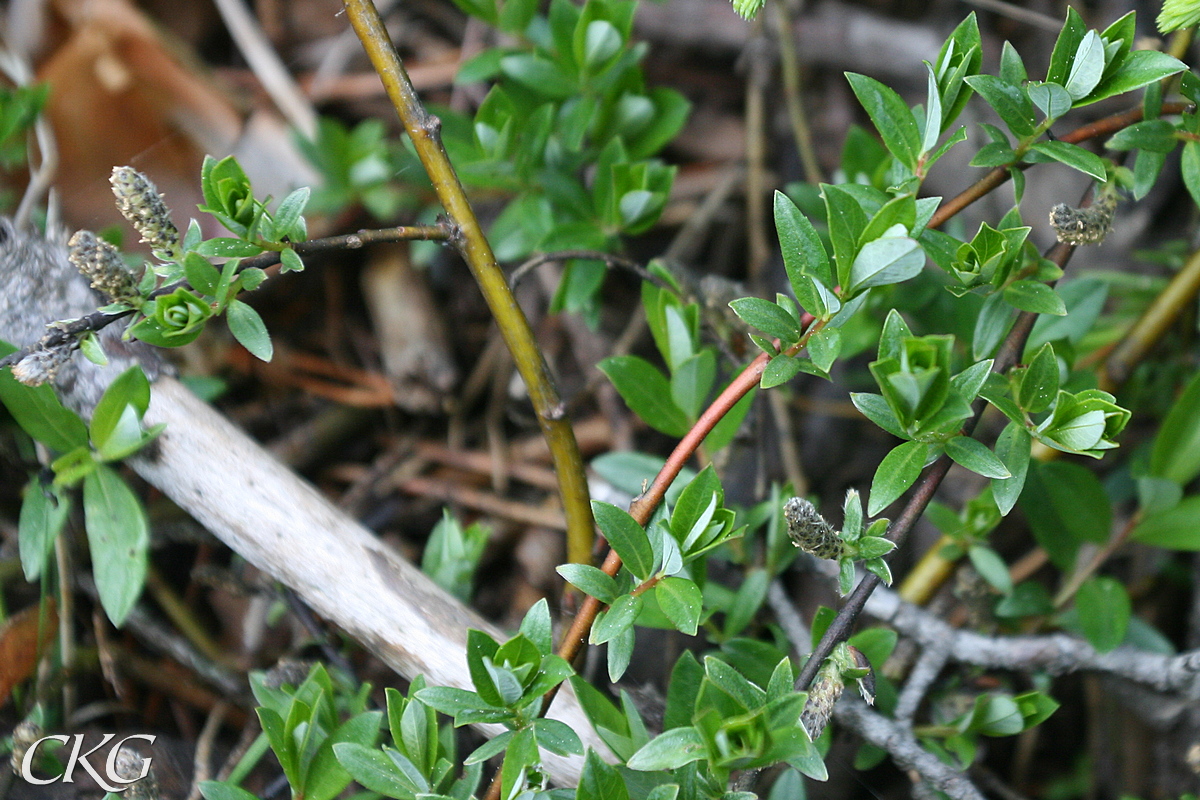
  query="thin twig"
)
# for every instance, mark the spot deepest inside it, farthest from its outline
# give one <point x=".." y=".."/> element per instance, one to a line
<point x="68" y="331"/>
<point x="424" y="131"/>
<point x="793" y="94"/>
<point x="1008" y="355"/>
<point x="1056" y="653"/>
<point x="904" y="748"/>
<point x="610" y="260"/>
<point x="201" y="763"/>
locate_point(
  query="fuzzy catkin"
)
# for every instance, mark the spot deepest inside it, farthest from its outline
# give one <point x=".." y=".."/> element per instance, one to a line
<point x="1076" y="226"/>
<point x="823" y="694"/>
<point x="101" y="263"/>
<point x="140" y="202"/>
<point x="809" y="531"/>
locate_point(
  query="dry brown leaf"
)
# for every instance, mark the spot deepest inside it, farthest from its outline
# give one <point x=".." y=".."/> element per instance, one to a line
<point x="22" y="639"/>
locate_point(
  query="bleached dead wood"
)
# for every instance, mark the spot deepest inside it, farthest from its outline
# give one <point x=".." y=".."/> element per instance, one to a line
<point x="260" y="508"/>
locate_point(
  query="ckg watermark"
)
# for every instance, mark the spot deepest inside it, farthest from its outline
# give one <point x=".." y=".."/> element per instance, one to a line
<point x="116" y="777"/>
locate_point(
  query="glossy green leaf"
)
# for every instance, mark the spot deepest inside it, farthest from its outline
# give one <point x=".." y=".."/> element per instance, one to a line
<point x="1034" y="297"/>
<point x="1009" y="101"/>
<point x="680" y="599"/>
<point x="975" y="456"/>
<point x="767" y="317"/>
<point x="891" y="116"/>
<point x="1177" y="528"/>
<point x="898" y="471"/>
<point x="1176" y="451"/>
<point x="1104" y="611"/>
<point x="616" y="619"/>
<point x="626" y="537"/>
<point x="1039" y="382"/>
<point x="803" y="252"/>
<point x="779" y="370"/>
<point x="1073" y="156"/>
<point x="1138" y="68"/>
<point x="884" y="261"/>
<point x="247" y="327"/>
<point x="119" y="540"/>
<point x="1155" y="135"/>
<point x="590" y="580"/>
<point x="1012" y="448"/>
<point x="647" y="393"/>
<point x="669" y="750"/>
<point x="43" y="512"/>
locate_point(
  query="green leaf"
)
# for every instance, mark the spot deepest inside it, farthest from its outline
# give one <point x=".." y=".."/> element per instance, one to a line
<point x="1035" y="297"/>
<point x="290" y="261"/>
<point x="891" y="116"/>
<point x="223" y="247"/>
<point x="991" y="567"/>
<point x="39" y="413"/>
<point x="692" y="381"/>
<point x="647" y="393"/>
<point x="669" y="750"/>
<point x="1012" y="448"/>
<point x="118" y="537"/>
<point x="875" y="408"/>
<point x="287" y="216"/>
<point x="1065" y="47"/>
<point x="1039" y="382"/>
<point x="620" y="652"/>
<point x="1155" y="135"/>
<point x="1066" y="505"/>
<point x="1176" y="451"/>
<point x="974" y="455"/>
<point x="899" y="470"/>
<point x="626" y="537"/>
<point x="215" y="790"/>
<point x="824" y="347"/>
<point x="803" y="253"/>
<point x="1139" y="68"/>
<point x="539" y="75"/>
<point x="590" y="580"/>
<point x="43" y="513"/>
<point x="779" y="370"/>
<point x="1050" y="98"/>
<point x="1104" y="611"/>
<point x="247" y="327"/>
<point x="680" y="599"/>
<point x="884" y="261"/>
<point x="557" y="737"/>
<point x="1087" y="66"/>
<point x="768" y="317"/>
<point x="376" y="770"/>
<point x="1177" y="528"/>
<point x="1073" y="156"/>
<point x="201" y="274"/>
<point x="129" y="391"/>
<point x="1178" y="14"/>
<point x="450" y="700"/>
<point x="599" y="781"/>
<point x="1009" y="101"/>
<point x="1189" y="167"/>
<point x="615" y="620"/>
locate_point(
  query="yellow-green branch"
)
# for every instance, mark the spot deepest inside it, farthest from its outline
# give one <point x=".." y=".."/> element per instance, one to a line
<point x="424" y="130"/>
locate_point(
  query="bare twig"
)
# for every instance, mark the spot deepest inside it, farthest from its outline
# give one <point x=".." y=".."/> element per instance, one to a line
<point x="201" y="764"/>
<point x="1057" y="654"/>
<point x="904" y="748"/>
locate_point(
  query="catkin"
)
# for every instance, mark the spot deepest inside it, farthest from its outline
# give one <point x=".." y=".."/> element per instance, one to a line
<point x="809" y="531"/>
<point x="1076" y="226"/>
<point x="140" y="202"/>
